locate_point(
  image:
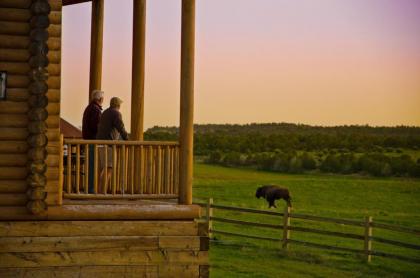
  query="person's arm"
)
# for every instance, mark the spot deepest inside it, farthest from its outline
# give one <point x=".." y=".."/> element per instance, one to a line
<point x="119" y="125"/>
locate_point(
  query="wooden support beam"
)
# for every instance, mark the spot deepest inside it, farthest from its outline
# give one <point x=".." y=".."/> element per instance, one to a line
<point x="187" y="101"/>
<point x="138" y="69"/>
<point x="96" y="41"/>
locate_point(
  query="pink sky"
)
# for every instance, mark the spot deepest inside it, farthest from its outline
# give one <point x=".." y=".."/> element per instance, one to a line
<point x="324" y="62"/>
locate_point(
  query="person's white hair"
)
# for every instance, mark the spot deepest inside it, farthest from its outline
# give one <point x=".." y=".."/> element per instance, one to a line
<point x="97" y="94"/>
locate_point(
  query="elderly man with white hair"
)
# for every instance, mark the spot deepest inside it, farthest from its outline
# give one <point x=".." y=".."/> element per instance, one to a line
<point x="91" y="118"/>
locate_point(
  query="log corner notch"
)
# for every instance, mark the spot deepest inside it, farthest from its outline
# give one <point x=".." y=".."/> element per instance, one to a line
<point x="38" y="101"/>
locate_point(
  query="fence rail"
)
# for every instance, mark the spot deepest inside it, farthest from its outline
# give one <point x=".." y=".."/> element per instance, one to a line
<point x="104" y="169"/>
<point x="286" y="239"/>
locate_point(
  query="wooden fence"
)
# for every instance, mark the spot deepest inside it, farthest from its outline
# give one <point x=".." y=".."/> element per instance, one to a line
<point x="367" y="224"/>
<point x="136" y="170"/>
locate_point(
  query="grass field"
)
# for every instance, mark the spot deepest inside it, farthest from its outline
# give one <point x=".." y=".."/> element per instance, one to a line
<point x="388" y="200"/>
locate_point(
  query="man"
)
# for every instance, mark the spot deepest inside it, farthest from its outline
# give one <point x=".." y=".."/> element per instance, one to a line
<point x="90" y="123"/>
<point x="111" y="127"/>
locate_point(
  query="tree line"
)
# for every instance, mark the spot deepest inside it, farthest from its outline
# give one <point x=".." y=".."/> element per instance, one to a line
<point x="292" y="148"/>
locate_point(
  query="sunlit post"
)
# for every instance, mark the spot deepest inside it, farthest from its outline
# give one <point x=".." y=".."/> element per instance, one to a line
<point x="138" y="68"/>
<point x="187" y="101"/>
<point x="96" y="41"/>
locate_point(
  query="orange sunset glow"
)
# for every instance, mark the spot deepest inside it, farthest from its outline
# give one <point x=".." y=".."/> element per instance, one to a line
<point x="320" y="62"/>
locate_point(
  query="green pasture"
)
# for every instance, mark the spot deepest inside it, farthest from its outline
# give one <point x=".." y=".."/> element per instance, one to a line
<point x="387" y="200"/>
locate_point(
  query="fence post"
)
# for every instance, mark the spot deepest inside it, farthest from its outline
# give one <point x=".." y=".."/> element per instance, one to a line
<point x="368" y="240"/>
<point x="286" y="231"/>
<point x="209" y="215"/>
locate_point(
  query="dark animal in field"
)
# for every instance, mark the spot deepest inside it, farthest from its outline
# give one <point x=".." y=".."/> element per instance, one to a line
<point x="272" y="193"/>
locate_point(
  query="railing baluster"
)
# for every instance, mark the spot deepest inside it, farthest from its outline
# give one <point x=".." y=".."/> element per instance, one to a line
<point x="114" y="169"/>
<point x="167" y="170"/>
<point x="77" y="168"/>
<point x="158" y="170"/>
<point x="176" y="170"/>
<point x="149" y="169"/>
<point x="69" y="168"/>
<point x="86" y="183"/>
<point x="95" y="170"/>
<point x="123" y="168"/>
<point x="141" y="170"/>
<point x="132" y="168"/>
<point x="105" y="173"/>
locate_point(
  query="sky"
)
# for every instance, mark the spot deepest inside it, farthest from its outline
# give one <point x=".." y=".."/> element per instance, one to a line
<point x="319" y="62"/>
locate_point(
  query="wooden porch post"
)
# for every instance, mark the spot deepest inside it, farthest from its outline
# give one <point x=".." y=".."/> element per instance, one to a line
<point x="187" y="101"/>
<point x="137" y="77"/>
<point x="96" y="41"/>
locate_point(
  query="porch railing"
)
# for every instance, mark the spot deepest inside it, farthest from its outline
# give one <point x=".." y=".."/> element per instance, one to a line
<point x="102" y="169"/>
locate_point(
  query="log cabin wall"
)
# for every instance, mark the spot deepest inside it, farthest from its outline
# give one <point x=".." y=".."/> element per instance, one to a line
<point x="15" y="111"/>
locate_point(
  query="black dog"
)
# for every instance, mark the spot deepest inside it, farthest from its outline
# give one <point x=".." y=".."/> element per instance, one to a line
<point x="272" y="193"/>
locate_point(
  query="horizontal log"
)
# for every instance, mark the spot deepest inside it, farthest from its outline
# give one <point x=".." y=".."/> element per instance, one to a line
<point x="97" y="228"/>
<point x="53" y="95"/>
<point x="394" y="256"/>
<point x="13" y="173"/>
<point x="396" y="228"/>
<point x="10" y="160"/>
<point x="56" y="5"/>
<point x="179" y="243"/>
<point x="54" y="82"/>
<point x="22" y="68"/>
<point x="55" y="17"/>
<point x="396" y="243"/>
<point x="54" y="56"/>
<point x="53" y="109"/>
<point x="328" y="219"/>
<point x="11" y="107"/>
<point x="126" y="196"/>
<point x="13" y="120"/>
<point x="52" y="174"/>
<point x="53" y="147"/>
<point x="17" y="81"/>
<point x="13" y="199"/>
<point x="125" y="212"/>
<point x="85" y="271"/>
<point x="54" y="69"/>
<point x="102" y="258"/>
<point x="19" y="15"/>
<point x="171" y="270"/>
<point x="13" y="42"/>
<point x="13" y="186"/>
<point x="53" y="121"/>
<point x="54" y="30"/>
<point x="246" y="223"/>
<point x="19" y="4"/>
<point x="327" y="233"/>
<point x="15" y="68"/>
<point x="86" y="243"/>
<point x="256" y="211"/>
<point x="22" y="95"/>
<point x="52" y="198"/>
<point x="7" y="133"/>
<point x="54" y="43"/>
<point x="13" y="147"/>
<point x="119" y="143"/>
<point x="323" y="246"/>
<point x="243" y="235"/>
<point x="14" y="28"/>
<point x="17" y="94"/>
<point x="53" y="134"/>
<point x="52" y="160"/>
<point x="14" y="55"/>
